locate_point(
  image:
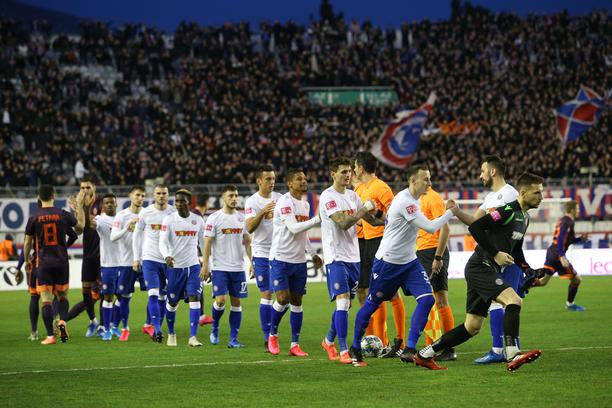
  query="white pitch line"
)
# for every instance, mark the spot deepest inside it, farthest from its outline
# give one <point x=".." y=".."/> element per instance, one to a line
<point x="203" y="364"/>
<point x="220" y="363"/>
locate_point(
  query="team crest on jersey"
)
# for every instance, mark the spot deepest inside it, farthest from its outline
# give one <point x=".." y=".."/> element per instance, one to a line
<point x="330" y="204"/>
<point x="194" y="222"/>
<point x="286" y="210"/>
<point x="499" y="197"/>
<point x="411" y="209"/>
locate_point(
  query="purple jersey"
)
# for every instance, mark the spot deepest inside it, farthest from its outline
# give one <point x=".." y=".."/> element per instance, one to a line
<point x="91" y="239"/>
<point x="49" y="227"/>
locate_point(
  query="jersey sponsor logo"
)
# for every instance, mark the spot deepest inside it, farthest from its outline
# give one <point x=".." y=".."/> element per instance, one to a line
<point x="286" y="210"/>
<point x="185" y="233"/>
<point x="330" y="204"/>
<point x="156" y="227"/>
<point x="517" y="235"/>
<point x="301" y="218"/>
<point x="209" y="227"/>
<point x="496" y="215"/>
<point x="411" y="209"/>
<point x="231" y="230"/>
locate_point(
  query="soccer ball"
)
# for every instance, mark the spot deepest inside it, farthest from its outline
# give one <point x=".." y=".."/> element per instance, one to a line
<point x="371" y="346"/>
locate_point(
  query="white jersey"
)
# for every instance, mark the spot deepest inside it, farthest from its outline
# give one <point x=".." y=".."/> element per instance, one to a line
<point x="494" y="199"/>
<point x="286" y="246"/>
<point x="180" y="237"/>
<point x="228" y="231"/>
<point x="262" y="236"/>
<point x="123" y="217"/>
<point x="338" y="244"/>
<point x="109" y="253"/>
<point x="398" y="245"/>
<point x="149" y="224"/>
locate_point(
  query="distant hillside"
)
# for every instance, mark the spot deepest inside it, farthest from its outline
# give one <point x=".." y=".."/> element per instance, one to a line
<point x="60" y="22"/>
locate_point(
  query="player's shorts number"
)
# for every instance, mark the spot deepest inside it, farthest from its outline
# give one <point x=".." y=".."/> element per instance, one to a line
<point x="243" y="287"/>
<point x="50" y="234"/>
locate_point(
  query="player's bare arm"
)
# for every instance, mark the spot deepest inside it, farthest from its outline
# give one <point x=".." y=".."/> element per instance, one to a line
<point x="345" y="221"/>
<point x="253" y="222"/>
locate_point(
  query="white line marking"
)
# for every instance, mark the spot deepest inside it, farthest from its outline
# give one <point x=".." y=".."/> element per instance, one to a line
<point x="219" y="363"/>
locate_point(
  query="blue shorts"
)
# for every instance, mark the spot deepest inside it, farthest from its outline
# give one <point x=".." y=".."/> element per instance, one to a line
<point x="262" y="273"/>
<point x="387" y="278"/>
<point x="183" y="283"/>
<point x="110" y="280"/>
<point x="342" y="277"/>
<point x="513" y="275"/>
<point x="285" y="275"/>
<point x="234" y="283"/>
<point x="127" y="277"/>
<point x="155" y="275"/>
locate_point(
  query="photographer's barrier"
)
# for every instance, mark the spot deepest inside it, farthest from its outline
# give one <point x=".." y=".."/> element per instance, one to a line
<point x="588" y="262"/>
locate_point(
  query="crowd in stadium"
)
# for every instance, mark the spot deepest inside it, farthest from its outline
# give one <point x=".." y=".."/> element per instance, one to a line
<point x="208" y="104"/>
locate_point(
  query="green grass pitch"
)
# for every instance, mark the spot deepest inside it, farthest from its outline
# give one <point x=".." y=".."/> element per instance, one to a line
<point x="575" y="368"/>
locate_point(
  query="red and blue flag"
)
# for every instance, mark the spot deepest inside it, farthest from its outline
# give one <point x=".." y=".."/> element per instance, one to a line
<point x="578" y="115"/>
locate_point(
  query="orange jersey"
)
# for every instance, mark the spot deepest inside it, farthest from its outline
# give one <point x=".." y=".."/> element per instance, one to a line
<point x="360" y="190"/>
<point x="432" y="206"/>
<point x="382" y="195"/>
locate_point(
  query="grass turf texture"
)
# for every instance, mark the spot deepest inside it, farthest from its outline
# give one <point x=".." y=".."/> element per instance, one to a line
<point x="575" y="368"/>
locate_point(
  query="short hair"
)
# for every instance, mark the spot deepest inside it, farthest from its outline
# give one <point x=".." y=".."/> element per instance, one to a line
<point x="292" y="172"/>
<point x="137" y="188"/>
<point x="263" y="169"/>
<point x="335" y="164"/>
<point x="46" y="192"/>
<point x="160" y="186"/>
<point x="202" y="199"/>
<point x="527" y="179"/>
<point x="414" y="169"/>
<point x="183" y="191"/>
<point x="497" y="163"/>
<point x="88" y="179"/>
<point x="229" y="187"/>
<point x="569" y="206"/>
<point x="109" y="195"/>
<point x="367" y="161"/>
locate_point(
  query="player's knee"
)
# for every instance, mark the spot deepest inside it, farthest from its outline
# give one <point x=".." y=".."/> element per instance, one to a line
<point x="473" y="326"/>
<point x="266" y="295"/>
<point x="153" y="292"/>
<point x="235" y="301"/>
<point x="295" y="300"/>
<point x="576" y="280"/>
<point x="220" y="301"/>
<point x="282" y="298"/>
